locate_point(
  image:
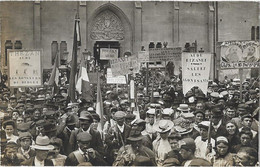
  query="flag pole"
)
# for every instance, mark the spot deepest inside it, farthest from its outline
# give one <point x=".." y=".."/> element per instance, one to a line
<point x="76" y="43"/>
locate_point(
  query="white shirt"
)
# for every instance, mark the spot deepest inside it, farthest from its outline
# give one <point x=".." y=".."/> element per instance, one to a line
<point x="26" y="153"/>
<point x="121" y="128"/>
<point x="201" y="147"/>
<point x="12" y="138"/>
<point x="163" y="148"/>
<point x="84" y="154"/>
<point x="217" y="126"/>
<point x="38" y="163"/>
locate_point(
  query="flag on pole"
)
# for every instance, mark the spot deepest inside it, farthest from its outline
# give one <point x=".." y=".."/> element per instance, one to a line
<point x="99" y="105"/>
<point x="54" y="79"/>
<point x="83" y="84"/>
<point x="73" y="71"/>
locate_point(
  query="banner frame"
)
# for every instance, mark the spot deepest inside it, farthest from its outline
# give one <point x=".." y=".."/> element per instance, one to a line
<point x="8" y="66"/>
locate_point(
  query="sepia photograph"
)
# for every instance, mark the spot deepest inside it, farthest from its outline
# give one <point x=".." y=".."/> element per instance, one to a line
<point x="129" y="83"/>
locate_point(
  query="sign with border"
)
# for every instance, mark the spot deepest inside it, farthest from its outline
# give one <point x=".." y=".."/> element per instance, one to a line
<point x="165" y="54"/>
<point x="115" y="80"/>
<point x="108" y="53"/>
<point x="125" y="65"/>
<point x="239" y="54"/>
<point x="195" y="71"/>
<point x="25" y="68"/>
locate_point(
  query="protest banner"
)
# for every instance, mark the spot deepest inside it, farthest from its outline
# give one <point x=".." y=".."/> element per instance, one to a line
<point x="195" y="71"/>
<point x="115" y="80"/>
<point x="239" y="54"/>
<point x="125" y="65"/>
<point x="24" y="68"/>
<point x="165" y="54"/>
<point x="93" y="79"/>
<point x="108" y="53"/>
<point x="143" y="56"/>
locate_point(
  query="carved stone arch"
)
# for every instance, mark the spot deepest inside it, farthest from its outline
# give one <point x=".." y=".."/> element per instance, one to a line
<point x="127" y="41"/>
<point x="107" y="26"/>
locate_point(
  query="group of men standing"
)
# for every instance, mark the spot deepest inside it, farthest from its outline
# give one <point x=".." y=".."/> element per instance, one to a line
<point x="166" y="128"/>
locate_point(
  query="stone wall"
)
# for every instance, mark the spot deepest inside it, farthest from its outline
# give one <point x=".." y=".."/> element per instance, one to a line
<point x="37" y="24"/>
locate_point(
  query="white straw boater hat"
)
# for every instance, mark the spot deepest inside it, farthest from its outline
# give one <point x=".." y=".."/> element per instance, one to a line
<point x="163" y="126"/>
<point x="42" y="143"/>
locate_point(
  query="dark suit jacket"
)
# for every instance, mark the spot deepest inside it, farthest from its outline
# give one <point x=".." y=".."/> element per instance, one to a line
<point x="96" y="142"/>
<point x="71" y="160"/>
<point x="30" y="162"/>
<point x="114" y="133"/>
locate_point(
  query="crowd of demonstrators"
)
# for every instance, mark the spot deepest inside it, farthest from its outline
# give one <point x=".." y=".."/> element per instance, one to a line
<point x="164" y="128"/>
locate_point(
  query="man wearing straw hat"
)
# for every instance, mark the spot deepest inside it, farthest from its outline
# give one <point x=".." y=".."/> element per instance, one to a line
<point x="42" y="147"/>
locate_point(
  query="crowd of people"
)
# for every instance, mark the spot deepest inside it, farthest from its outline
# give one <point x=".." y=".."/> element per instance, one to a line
<point x="163" y="128"/>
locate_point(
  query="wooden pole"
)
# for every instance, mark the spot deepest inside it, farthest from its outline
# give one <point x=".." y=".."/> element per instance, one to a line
<point x="240" y="87"/>
<point x="147" y="78"/>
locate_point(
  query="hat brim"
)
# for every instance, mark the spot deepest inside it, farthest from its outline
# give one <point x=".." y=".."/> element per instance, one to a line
<point x="133" y="138"/>
<point x="183" y="109"/>
<point x="186" y="132"/>
<point x="40" y="99"/>
<point x="47" y="148"/>
<point x="84" y="118"/>
<point x="156" y="127"/>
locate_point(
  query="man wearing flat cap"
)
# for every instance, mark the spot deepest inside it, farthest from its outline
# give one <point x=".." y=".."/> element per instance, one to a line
<point x="25" y="140"/>
<point x="203" y="147"/>
<point x="243" y="109"/>
<point x="217" y="122"/>
<point x="10" y="156"/>
<point x="135" y="154"/>
<point x="85" y="152"/>
<point x="117" y="135"/>
<point x="187" y="149"/>
<point x="85" y="121"/>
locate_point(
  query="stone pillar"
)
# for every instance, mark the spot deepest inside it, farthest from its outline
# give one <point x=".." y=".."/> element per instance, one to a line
<point x="211" y="27"/>
<point x="211" y="38"/>
<point x="37" y="25"/>
<point x="137" y="27"/>
<point x="83" y="24"/>
<point x="176" y="22"/>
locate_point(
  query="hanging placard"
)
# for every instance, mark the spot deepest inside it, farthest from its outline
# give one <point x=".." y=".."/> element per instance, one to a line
<point x="25" y="69"/>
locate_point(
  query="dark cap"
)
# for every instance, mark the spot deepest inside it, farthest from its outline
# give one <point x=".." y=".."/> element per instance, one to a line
<point x="56" y="141"/>
<point x="242" y="107"/>
<point x="188" y="143"/>
<point x="84" y="137"/>
<point x="24" y="127"/>
<point x="135" y="138"/>
<point x="49" y="127"/>
<point x="11" y="145"/>
<point x="246" y="116"/>
<point x="119" y="115"/>
<point x="24" y="135"/>
<point x="85" y="115"/>
<point x="217" y="112"/>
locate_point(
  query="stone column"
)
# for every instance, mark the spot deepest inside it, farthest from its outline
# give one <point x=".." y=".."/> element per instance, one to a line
<point x="176" y="22"/>
<point x="137" y="27"/>
<point x="83" y="24"/>
<point x="37" y="25"/>
<point x="211" y="27"/>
